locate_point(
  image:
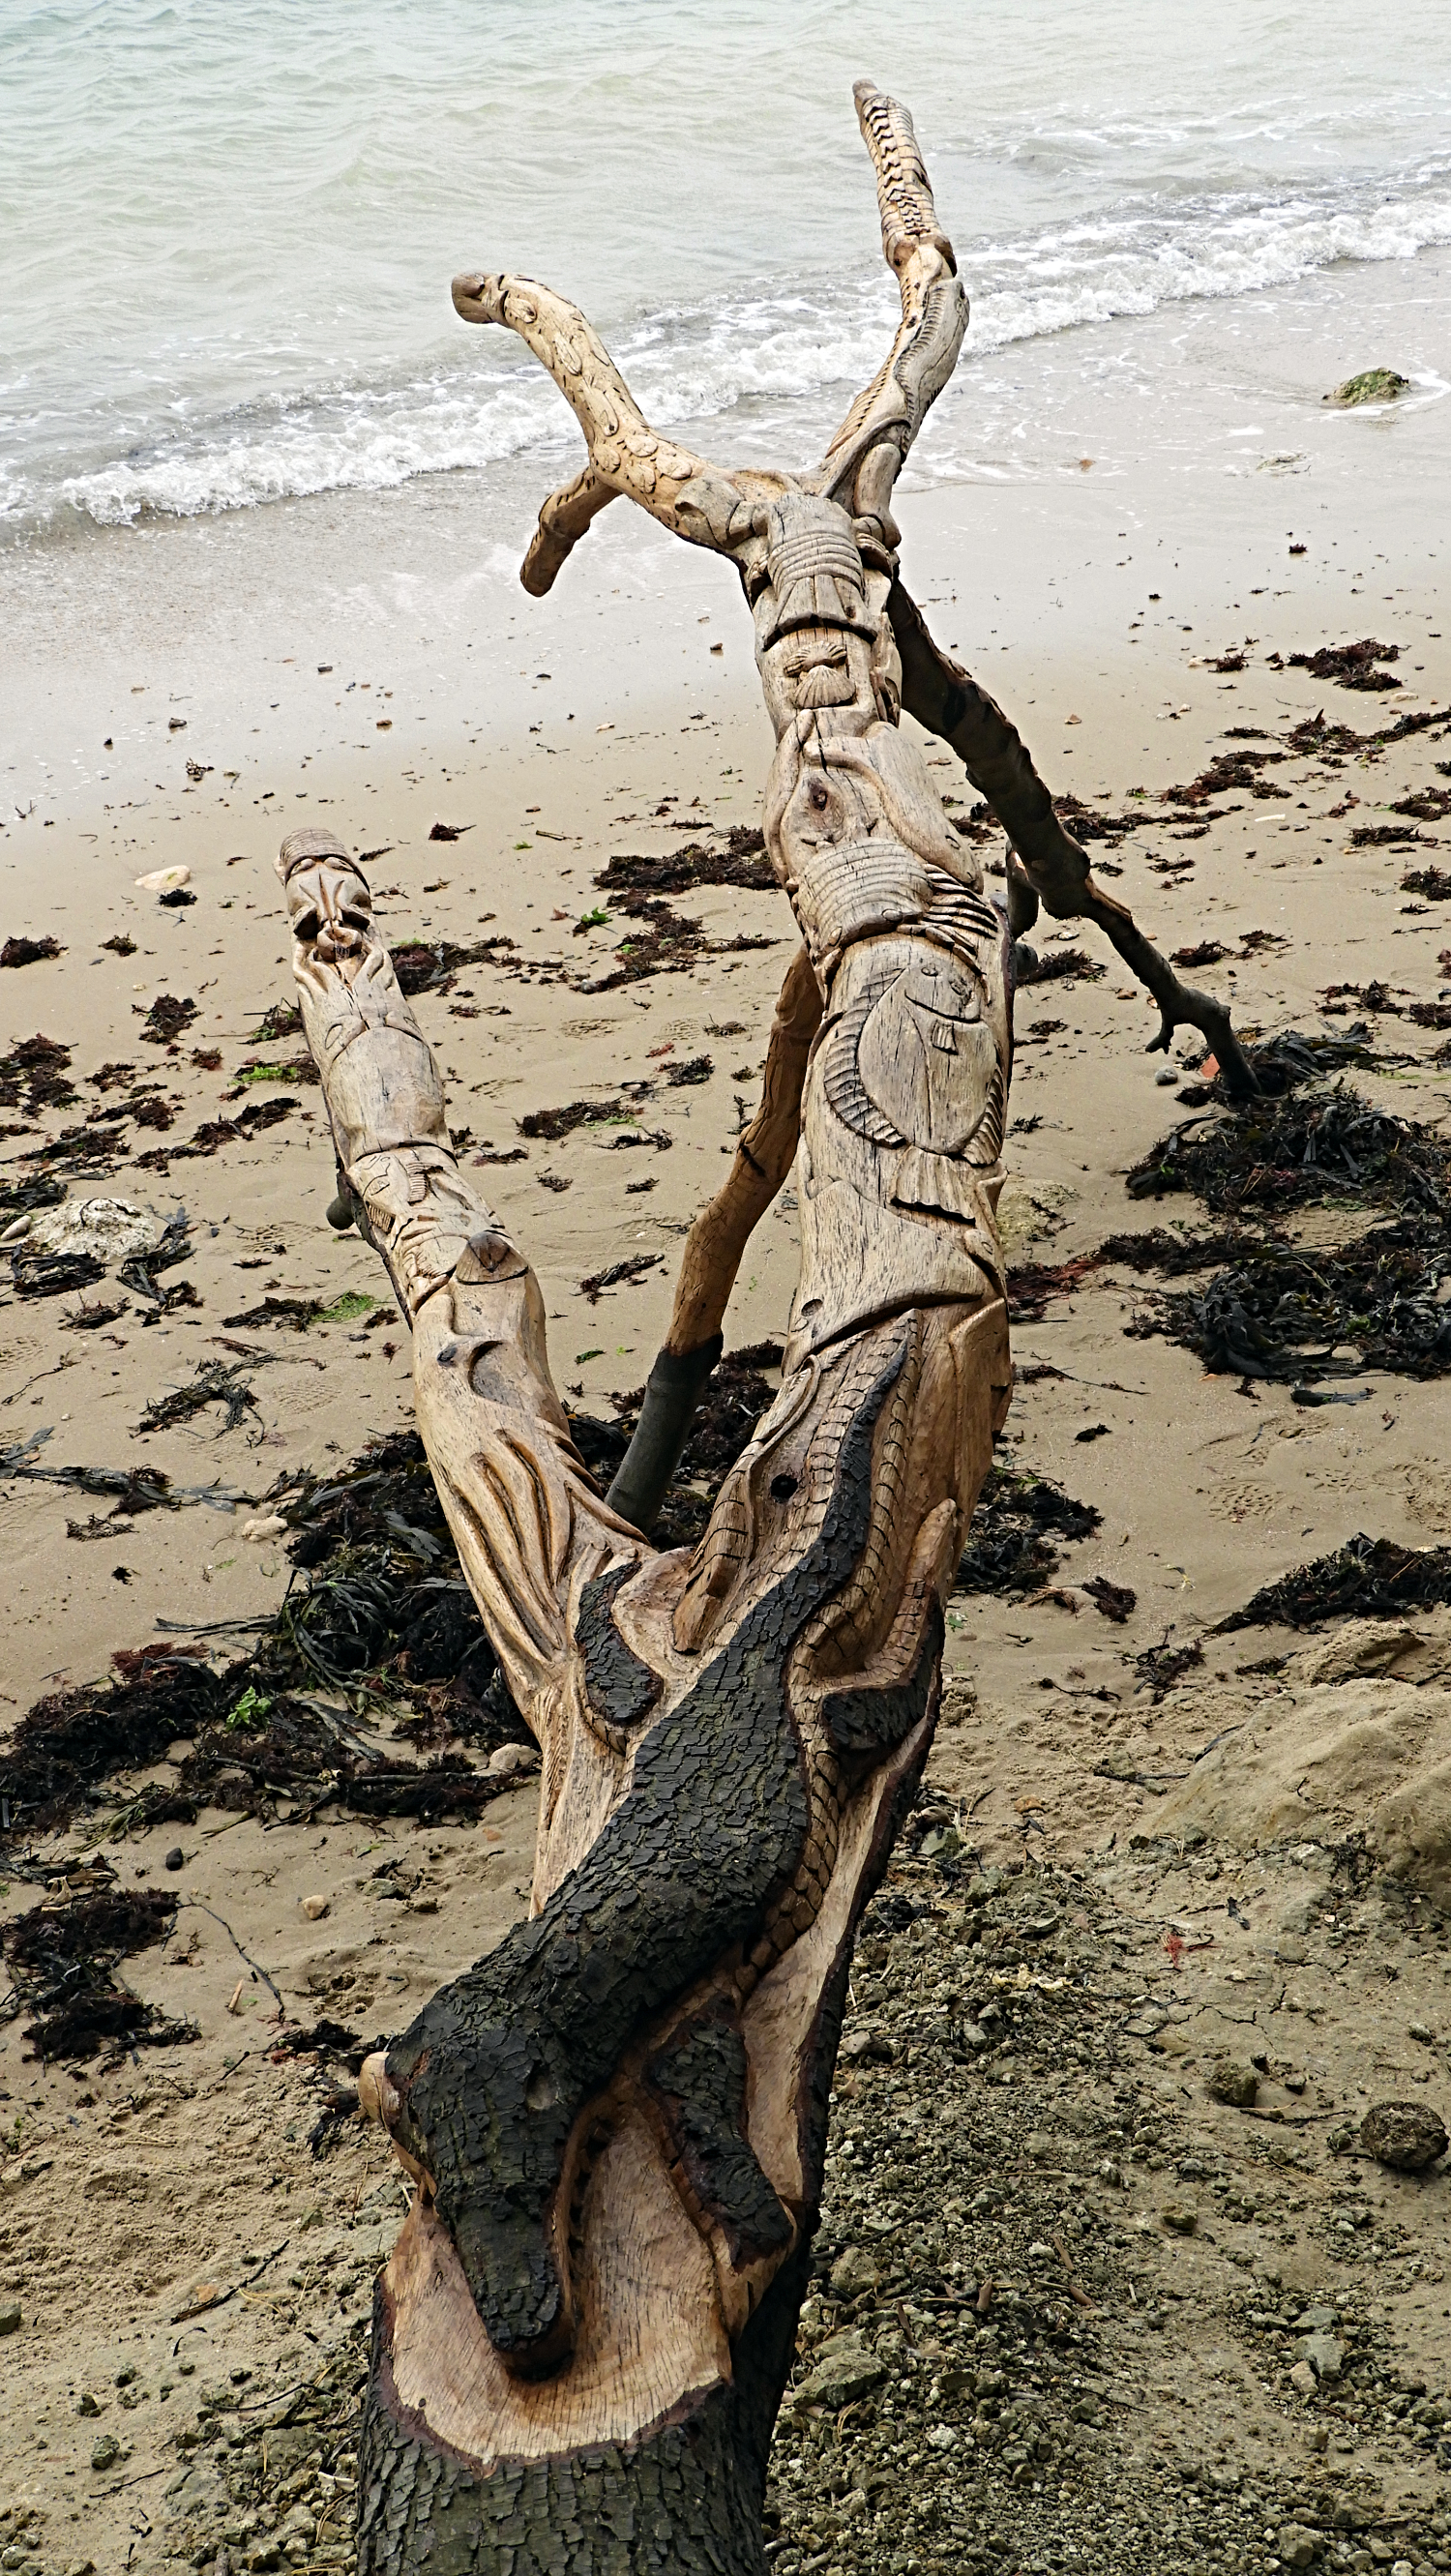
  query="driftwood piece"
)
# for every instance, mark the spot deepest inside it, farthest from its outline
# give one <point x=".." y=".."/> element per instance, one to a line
<point x="617" y="2119"/>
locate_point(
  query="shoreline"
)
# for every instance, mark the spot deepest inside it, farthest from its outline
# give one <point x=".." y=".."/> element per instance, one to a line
<point x="1053" y="1753"/>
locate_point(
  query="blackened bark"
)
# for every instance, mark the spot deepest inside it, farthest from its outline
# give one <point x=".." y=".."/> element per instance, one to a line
<point x="685" y="2501"/>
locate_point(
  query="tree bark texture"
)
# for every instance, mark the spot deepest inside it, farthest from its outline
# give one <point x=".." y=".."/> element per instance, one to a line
<point x="617" y="2119"/>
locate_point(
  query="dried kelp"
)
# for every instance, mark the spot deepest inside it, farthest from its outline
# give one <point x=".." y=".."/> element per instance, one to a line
<point x="63" y="1956"/>
<point x="1285" y="1311"/>
<point x="1350" y="666"/>
<point x="740" y="862"/>
<point x="1017" y="1516"/>
<point x="1275" y="1155"/>
<point x="1288" y="1313"/>
<point x="38" y="1068"/>
<point x="1366" y="1579"/>
<point x="29" y="952"/>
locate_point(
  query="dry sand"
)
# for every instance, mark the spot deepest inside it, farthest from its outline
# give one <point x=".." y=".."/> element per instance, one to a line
<point x="603" y="722"/>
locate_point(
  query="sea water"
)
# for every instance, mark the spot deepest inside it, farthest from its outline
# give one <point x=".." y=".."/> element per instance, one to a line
<point x="227" y="227"/>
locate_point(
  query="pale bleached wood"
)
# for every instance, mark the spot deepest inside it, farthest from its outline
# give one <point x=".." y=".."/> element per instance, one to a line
<point x="617" y="2119"/>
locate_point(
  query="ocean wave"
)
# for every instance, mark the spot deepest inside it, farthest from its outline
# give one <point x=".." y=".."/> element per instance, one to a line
<point x="790" y="355"/>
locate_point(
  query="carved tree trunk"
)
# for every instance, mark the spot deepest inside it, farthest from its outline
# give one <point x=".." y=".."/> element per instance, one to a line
<point x="617" y="2120"/>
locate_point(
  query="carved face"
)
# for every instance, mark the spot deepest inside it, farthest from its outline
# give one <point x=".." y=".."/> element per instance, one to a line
<point x="329" y="905"/>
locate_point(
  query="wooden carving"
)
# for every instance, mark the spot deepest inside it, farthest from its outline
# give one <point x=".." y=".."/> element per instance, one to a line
<point x="617" y="2119"/>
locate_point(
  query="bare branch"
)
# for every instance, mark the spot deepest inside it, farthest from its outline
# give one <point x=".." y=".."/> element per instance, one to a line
<point x="947" y="700"/>
<point x="712" y="1256"/>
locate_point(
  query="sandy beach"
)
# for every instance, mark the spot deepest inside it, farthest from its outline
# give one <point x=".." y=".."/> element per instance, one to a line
<point x="186" y="694"/>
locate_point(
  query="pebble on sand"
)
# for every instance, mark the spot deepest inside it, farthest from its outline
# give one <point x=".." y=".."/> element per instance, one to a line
<point x="1405" y="2135"/>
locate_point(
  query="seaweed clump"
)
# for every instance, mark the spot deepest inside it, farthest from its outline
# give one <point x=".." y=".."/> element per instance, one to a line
<point x="1366" y="1578"/>
<point x="63" y="1957"/>
<point x="1016" y="1518"/>
<point x="1284" y="1310"/>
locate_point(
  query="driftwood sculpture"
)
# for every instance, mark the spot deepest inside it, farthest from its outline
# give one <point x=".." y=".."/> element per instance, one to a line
<point x="617" y="2119"/>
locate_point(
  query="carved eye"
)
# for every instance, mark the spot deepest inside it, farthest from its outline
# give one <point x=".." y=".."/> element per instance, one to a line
<point x="782" y="1488"/>
<point x="817" y="796"/>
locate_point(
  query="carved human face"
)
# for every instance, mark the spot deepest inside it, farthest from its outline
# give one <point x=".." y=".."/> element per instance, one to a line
<point x="329" y="907"/>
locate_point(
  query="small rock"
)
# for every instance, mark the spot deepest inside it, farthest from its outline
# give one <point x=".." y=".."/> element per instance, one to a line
<point x="163" y="880"/>
<point x="421" y="1904"/>
<point x="1303" y="2379"/>
<point x="846" y="2368"/>
<point x="1405" y="2135"/>
<point x="1374" y="384"/>
<point x="1111" y="2173"/>
<point x="1294" y="2545"/>
<point x="104" y="2452"/>
<point x="175" y="1858"/>
<point x="1423" y="2032"/>
<point x="1317" y="2320"/>
<point x="507" y="1759"/>
<point x="1231" y="2080"/>
<point x="866" y="2047"/>
<point x="315" y="1907"/>
<point x="257" y="1532"/>
<point x="9" y="2316"/>
<point x="86" y="2403"/>
<point x="1402" y="2567"/>
<point x="1324" y="2354"/>
<point x="1179" y="2217"/>
<point x="853" y="2272"/>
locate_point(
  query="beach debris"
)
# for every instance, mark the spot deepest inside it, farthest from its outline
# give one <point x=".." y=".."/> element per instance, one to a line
<point x="29" y="952"/>
<point x="554" y="1123"/>
<point x="296" y="1068"/>
<point x="620" y="1274"/>
<point x="1113" y="1601"/>
<point x="449" y="831"/>
<point x="120" y="945"/>
<point x="38" y="1067"/>
<point x="1278" y="1155"/>
<point x="63" y="1955"/>
<point x="279" y="1020"/>
<point x="164" y="881"/>
<point x="1350" y="666"/>
<point x="737" y="860"/>
<point x="197" y="770"/>
<point x="1016" y="1516"/>
<point x="696" y="1068"/>
<point x="166" y="1019"/>
<point x="1054" y="965"/>
<point x="1372" y="385"/>
<point x="214" y="1383"/>
<point x="1365" y="1579"/>
<point x="315" y="1907"/>
<point x="1164" y="1666"/>
<point x="1435" y="884"/>
<point x="105" y="1231"/>
<point x="1408" y="2136"/>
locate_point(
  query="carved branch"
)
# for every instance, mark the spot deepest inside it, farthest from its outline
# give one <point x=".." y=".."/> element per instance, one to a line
<point x="626" y="455"/>
<point x="865" y="457"/>
<point x="947" y="700"/>
<point x="617" y="2120"/>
